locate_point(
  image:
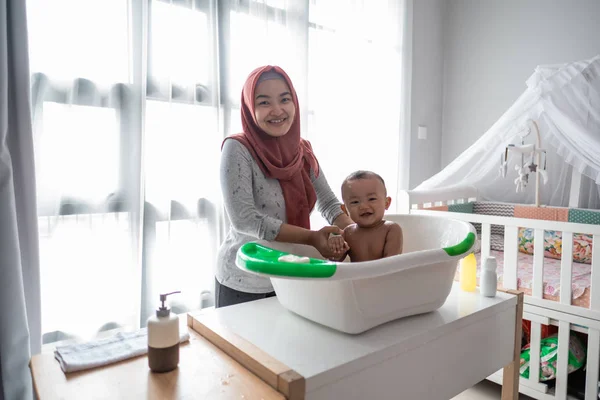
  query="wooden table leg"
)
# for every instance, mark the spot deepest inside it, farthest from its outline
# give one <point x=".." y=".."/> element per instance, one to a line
<point x="510" y="375"/>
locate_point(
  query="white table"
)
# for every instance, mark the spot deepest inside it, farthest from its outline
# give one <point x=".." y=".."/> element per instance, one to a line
<point x="431" y="356"/>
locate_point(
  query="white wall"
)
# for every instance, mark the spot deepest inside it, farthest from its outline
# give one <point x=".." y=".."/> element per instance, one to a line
<point x="492" y="47"/>
<point x="426" y="91"/>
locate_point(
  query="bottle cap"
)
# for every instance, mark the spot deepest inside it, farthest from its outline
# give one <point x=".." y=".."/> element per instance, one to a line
<point x="490" y="263"/>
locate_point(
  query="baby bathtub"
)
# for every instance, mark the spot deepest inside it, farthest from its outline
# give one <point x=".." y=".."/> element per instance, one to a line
<point x="355" y="297"/>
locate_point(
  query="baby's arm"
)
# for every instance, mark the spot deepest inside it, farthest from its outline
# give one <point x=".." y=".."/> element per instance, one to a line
<point x="393" y="241"/>
<point x="338" y="246"/>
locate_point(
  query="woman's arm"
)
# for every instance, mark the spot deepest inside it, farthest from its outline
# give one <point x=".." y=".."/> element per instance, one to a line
<point x="328" y="204"/>
<point x="238" y="194"/>
<point x="343" y="221"/>
<point x="318" y="239"/>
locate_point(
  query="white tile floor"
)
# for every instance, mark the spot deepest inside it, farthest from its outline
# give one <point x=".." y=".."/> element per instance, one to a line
<point x="484" y="390"/>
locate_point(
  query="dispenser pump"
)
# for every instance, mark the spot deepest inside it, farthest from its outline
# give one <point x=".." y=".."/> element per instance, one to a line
<point x="162" y="310"/>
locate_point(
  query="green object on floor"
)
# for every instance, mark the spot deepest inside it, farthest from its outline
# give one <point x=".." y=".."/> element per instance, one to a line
<point x="549" y="357"/>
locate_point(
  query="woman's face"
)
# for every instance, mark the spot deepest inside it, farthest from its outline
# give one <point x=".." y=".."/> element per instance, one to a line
<point x="274" y="108"/>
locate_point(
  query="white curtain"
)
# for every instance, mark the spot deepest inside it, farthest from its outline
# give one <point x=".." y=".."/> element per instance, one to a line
<point x="355" y="88"/>
<point x="131" y="102"/>
<point x="20" y="331"/>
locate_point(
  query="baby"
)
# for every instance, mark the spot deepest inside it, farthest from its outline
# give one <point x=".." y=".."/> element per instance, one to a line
<point x="370" y="237"/>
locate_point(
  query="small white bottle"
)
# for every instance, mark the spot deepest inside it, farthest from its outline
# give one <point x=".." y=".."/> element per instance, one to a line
<point x="489" y="279"/>
<point x="163" y="339"/>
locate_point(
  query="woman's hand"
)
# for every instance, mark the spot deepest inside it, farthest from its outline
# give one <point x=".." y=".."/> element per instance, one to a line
<point x="320" y="241"/>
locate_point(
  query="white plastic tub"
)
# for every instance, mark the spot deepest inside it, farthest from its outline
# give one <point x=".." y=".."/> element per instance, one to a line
<point x="355" y="297"/>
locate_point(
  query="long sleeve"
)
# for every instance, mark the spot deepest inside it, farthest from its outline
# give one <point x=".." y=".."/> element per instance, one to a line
<point x="238" y="194"/>
<point x="327" y="203"/>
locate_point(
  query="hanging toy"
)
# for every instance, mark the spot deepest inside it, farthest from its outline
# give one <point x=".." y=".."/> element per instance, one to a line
<point x="522" y="179"/>
<point x="533" y="164"/>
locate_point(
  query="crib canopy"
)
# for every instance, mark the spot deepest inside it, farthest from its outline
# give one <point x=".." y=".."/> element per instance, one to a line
<point x="564" y="101"/>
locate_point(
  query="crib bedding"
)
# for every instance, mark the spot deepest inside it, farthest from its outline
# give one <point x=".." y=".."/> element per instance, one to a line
<point x="581" y="277"/>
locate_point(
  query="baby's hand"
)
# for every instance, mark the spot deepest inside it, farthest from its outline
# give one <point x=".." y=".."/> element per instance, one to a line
<point x="338" y="246"/>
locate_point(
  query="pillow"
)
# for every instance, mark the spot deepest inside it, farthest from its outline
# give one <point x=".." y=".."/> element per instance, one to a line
<point x="582" y="248"/>
<point x="497" y="242"/>
<point x="494" y="208"/>
<point x="582" y="245"/>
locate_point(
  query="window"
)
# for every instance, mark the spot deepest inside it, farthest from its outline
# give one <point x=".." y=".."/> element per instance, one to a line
<point x="131" y="101"/>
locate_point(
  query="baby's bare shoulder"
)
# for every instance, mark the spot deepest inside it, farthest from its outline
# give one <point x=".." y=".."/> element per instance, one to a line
<point x="354" y="234"/>
<point x="350" y="229"/>
<point x="391" y="225"/>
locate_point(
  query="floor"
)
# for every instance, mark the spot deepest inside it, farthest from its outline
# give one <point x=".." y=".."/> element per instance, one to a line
<point x="485" y="390"/>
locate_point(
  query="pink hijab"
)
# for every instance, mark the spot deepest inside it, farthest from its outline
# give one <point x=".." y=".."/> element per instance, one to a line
<point x="287" y="158"/>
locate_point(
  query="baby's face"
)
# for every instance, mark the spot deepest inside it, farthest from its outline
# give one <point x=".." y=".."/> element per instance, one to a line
<point x="365" y="201"/>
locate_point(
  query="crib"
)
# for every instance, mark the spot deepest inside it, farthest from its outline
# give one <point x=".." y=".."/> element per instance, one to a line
<point x="536" y="274"/>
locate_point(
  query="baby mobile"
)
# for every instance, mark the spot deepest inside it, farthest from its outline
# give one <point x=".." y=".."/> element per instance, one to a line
<point x="530" y="161"/>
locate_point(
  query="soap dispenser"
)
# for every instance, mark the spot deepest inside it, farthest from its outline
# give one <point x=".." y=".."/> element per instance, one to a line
<point x="163" y="338"/>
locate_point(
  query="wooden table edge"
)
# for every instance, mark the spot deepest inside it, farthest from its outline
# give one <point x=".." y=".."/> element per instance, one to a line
<point x="273" y="372"/>
<point x="510" y="374"/>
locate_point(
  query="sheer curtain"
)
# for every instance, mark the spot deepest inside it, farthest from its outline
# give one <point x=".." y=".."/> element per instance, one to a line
<point x="127" y="144"/>
<point x="131" y="102"/>
<point x="354" y="88"/>
<point x="20" y="330"/>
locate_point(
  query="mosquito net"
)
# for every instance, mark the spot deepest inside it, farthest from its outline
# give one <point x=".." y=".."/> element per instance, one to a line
<point x="564" y="102"/>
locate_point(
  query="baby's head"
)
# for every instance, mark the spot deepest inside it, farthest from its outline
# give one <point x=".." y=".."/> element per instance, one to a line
<point x="365" y="198"/>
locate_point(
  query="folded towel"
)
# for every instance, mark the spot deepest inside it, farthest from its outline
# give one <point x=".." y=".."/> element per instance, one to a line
<point x="123" y="345"/>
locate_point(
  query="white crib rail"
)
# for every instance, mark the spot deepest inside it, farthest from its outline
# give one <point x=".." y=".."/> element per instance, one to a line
<point x="486" y="238"/>
<point x="564" y="330"/>
<point x="593" y="361"/>
<point x="511" y="253"/>
<point x="566" y="268"/>
<point x="538" y="264"/>
<point x="595" y="288"/>
<point x="535" y="337"/>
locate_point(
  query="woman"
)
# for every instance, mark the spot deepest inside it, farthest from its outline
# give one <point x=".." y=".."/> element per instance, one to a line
<point x="271" y="182"/>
